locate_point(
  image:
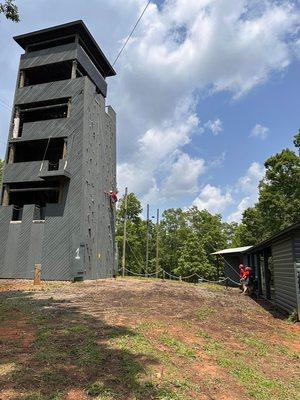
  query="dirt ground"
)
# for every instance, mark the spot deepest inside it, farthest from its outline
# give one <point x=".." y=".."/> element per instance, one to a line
<point x="143" y="339"/>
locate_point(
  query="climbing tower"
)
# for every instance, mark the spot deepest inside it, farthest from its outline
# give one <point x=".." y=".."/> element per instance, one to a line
<point x="60" y="160"/>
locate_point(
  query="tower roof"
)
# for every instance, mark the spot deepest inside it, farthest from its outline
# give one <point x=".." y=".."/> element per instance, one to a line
<point x="72" y="28"/>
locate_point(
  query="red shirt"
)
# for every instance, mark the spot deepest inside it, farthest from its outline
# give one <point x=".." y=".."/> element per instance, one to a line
<point x="114" y="197"/>
<point x="246" y="274"/>
<point x="242" y="271"/>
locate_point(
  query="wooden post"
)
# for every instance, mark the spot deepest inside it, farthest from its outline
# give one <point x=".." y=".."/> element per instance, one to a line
<point x="74" y="68"/>
<point x="16" y="126"/>
<point x="124" y="235"/>
<point x="22" y="79"/>
<point x="5" y="198"/>
<point x="258" y="274"/>
<point x="147" y="243"/>
<point x="65" y="149"/>
<point x="37" y="274"/>
<point x="157" y="243"/>
<point x="267" y="275"/>
<point x="11" y="154"/>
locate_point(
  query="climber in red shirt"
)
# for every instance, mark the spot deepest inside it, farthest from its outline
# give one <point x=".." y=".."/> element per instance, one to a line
<point x="113" y="195"/>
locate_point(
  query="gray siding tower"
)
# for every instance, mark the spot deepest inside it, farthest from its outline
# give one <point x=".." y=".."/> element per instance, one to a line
<point x="60" y="160"/>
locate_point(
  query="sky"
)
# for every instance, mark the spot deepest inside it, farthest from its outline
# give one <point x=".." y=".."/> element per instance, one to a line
<point x="205" y="91"/>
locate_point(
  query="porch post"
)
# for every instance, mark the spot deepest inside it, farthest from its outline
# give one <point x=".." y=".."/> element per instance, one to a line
<point x="258" y="274"/>
<point x="267" y="274"/>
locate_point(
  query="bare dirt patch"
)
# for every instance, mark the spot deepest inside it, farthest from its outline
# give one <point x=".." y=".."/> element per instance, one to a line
<point x="142" y="339"/>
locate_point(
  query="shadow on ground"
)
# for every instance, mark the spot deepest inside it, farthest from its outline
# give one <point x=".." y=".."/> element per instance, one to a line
<point x="54" y="347"/>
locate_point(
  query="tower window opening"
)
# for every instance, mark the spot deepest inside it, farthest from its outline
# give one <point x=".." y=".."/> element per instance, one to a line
<point x="39" y="111"/>
<point x="51" y="150"/>
<point x="46" y="73"/>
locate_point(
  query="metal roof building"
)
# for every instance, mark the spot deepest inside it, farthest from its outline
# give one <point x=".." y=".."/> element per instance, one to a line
<point x="276" y="264"/>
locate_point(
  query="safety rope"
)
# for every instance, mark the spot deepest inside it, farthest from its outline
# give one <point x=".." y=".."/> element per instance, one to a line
<point x="200" y="278"/>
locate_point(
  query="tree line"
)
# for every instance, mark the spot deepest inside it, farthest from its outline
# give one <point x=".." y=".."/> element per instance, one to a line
<point x="188" y="237"/>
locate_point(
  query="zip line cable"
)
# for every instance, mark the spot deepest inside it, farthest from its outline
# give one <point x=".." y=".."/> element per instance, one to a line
<point x="131" y="33"/>
<point x="3" y="104"/>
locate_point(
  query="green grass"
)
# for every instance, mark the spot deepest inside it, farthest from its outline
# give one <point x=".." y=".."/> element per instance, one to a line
<point x="256" y="346"/>
<point x="99" y="390"/>
<point x="180" y="348"/>
<point x="203" y="334"/>
<point x="204" y="313"/>
<point x="213" y="287"/>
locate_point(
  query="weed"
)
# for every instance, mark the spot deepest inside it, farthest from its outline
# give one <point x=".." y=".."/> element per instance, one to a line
<point x="204" y="312"/>
<point x="213" y="287"/>
<point x="203" y="334"/>
<point x="180" y="348"/>
<point x="293" y="317"/>
<point x="213" y="347"/>
<point x="260" y="348"/>
<point x="98" y="389"/>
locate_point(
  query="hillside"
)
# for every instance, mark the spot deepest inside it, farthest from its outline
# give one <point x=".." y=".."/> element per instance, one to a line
<point x="143" y="339"/>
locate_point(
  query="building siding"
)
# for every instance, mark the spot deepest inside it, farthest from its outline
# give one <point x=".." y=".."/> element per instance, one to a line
<point x="284" y="274"/>
<point x="77" y="236"/>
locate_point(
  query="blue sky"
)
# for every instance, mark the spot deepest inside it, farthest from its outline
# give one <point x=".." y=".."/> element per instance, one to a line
<point x="206" y="90"/>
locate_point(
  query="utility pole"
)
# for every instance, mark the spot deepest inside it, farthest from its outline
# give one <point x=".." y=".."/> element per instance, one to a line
<point x="124" y="235"/>
<point x="157" y="242"/>
<point x="147" y="242"/>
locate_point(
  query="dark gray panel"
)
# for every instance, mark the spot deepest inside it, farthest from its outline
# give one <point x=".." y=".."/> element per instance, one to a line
<point x="48" y="56"/>
<point x="284" y="274"/>
<point x="23" y="270"/>
<point x="49" y="91"/>
<point x="5" y="218"/>
<point x="91" y="70"/>
<point x="22" y="172"/>
<point x="297" y="246"/>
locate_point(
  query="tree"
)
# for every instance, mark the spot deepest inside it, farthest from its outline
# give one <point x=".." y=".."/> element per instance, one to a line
<point x="297" y="141"/>
<point x="193" y="259"/>
<point x="251" y="230"/>
<point x="279" y="191"/>
<point x="136" y="233"/>
<point x="10" y="10"/>
<point x="278" y="205"/>
<point x="173" y="233"/>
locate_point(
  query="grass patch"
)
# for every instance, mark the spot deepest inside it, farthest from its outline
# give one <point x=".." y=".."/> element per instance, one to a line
<point x="256" y="346"/>
<point x="180" y="348"/>
<point x="99" y="390"/>
<point x="205" y="312"/>
<point x="203" y="334"/>
<point x="213" y="287"/>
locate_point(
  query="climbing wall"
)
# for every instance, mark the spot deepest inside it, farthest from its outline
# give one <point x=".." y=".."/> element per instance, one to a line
<point x="99" y="172"/>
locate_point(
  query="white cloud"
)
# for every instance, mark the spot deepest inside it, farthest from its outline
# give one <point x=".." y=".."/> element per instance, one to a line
<point x="212" y="199"/>
<point x="243" y="194"/>
<point x="214" y="126"/>
<point x="180" y="50"/>
<point x="241" y="207"/>
<point x="247" y="185"/>
<point x="183" y="178"/>
<point x="260" y="131"/>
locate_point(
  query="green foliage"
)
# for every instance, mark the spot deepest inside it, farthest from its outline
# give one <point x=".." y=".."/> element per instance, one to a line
<point x="279" y="199"/>
<point x="186" y="239"/>
<point x="251" y="230"/>
<point x="297" y="141"/>
<point x="10" y="10"/>
<point x="279" y="191"/>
